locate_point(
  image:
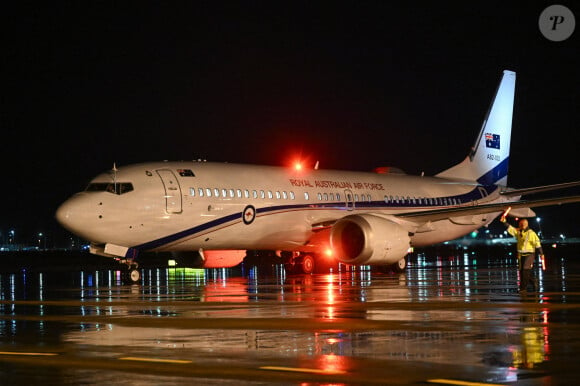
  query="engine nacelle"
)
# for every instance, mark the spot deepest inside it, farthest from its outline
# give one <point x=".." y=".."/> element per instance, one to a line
<point x="368" y="239"/>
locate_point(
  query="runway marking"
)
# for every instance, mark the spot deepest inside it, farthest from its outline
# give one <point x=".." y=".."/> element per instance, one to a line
<point x="461" y="383"/>
<point x="302" y="370"/>
<point x="27" y="353"/>
<point x="137" y="359"/>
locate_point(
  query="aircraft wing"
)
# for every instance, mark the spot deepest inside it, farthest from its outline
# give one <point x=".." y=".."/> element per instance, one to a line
<point x="538" y="189"/>
<point x="441" y="214"/>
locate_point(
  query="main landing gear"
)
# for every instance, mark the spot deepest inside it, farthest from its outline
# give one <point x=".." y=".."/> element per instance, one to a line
<point x="306" y="263"/>
<point x="301" y="264"/>
<point x="398" y="267"/>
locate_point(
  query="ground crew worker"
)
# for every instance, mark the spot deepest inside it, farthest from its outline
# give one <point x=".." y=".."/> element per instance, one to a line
<point x="528" y="243"/>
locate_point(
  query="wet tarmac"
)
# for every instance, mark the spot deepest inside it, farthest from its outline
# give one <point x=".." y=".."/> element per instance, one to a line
<point x="447" y="321"/>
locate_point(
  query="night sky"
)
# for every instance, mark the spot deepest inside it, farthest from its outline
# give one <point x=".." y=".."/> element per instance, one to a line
<point x="354" y="85"/>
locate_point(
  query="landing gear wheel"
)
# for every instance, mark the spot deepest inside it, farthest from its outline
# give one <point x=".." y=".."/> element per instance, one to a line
<point x="131" y="275"/>
<point x="400" y="266"/>
<point x="134" y="276"/>
<point x="307" y="264"/>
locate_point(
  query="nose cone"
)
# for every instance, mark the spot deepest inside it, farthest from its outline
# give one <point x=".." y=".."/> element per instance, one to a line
<point x="73" y="215"/>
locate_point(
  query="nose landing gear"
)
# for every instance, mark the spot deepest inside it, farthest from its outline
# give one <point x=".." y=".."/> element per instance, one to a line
<point x="130" y="274"/>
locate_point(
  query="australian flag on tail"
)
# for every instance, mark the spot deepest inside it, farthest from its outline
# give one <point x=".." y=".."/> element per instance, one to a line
<point x="492" y="140"/>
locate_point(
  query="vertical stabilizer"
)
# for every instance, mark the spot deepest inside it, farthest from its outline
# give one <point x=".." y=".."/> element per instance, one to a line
<point x="487" y="163"/>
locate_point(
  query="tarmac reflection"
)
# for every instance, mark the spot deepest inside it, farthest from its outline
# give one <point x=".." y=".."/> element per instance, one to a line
<point x="450" y="318"/>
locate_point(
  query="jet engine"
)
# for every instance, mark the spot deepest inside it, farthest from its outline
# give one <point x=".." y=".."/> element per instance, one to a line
<point x="368" y="239"/>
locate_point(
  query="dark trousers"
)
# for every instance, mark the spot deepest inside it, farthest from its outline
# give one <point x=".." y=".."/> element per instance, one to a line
<point x="526" y="262"/>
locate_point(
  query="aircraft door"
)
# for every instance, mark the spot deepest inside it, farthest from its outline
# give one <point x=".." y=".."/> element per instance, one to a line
<point x="172" y="191"/>
<point x="348" y="199"/>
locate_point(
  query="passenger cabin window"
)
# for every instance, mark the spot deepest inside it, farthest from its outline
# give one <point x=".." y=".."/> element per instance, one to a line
<point x="111" y="187"/>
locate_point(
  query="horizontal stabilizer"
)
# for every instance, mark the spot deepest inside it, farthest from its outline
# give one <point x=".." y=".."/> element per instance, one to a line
<point x="442" y="214"/>
<point x="538" y="189"/>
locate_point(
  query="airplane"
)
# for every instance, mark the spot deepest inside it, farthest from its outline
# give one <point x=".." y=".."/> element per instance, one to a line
<point x="208" y="214"/>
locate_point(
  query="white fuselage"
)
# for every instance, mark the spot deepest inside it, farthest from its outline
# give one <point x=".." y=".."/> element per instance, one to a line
<point x="183" y="206"/>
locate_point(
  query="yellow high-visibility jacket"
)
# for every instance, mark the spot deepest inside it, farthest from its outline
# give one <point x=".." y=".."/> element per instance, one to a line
<point x="528" y="240"/>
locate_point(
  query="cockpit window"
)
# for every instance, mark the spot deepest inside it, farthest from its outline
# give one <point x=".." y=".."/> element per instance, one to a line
<point x="116" y="188"/>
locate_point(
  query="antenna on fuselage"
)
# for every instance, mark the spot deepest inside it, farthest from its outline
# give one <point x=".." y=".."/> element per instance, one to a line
<point x="115" y="170"/>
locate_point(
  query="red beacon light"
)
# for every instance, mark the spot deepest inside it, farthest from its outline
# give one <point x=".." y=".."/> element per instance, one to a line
<point x="328" y="252"/>
<point x="299" y="165"/>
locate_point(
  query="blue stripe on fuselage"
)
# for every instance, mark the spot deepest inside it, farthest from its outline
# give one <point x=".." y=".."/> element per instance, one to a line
<point x="472" y="195"/>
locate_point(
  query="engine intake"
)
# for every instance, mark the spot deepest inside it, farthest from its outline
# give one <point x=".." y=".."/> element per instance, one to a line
<point x="368" y="239"/>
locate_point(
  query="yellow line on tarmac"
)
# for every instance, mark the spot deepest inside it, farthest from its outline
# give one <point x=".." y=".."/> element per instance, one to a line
<point x="460" y="383"/>
<point x="136" y="359"/>
<point x="303" y="370"/>
<point x="27" y="353"/>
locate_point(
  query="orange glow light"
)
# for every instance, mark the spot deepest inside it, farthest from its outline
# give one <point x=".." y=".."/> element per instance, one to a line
<point x="298" y="166"/>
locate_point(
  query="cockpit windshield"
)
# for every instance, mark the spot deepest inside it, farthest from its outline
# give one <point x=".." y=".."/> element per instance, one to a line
<point x="111" y="187"/>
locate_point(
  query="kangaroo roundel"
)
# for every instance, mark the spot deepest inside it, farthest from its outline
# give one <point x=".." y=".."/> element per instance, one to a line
<point x="249" y="214"/>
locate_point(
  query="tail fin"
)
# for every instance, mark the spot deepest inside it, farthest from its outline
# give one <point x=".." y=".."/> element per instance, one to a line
<point x="487" y="163"/>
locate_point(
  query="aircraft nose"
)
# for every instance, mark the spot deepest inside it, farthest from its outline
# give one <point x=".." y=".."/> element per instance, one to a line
<point x="73" y="215"/>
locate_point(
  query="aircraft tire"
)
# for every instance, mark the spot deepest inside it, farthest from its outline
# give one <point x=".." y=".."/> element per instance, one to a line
<point x="400" y="266"/>
<point x="131" y="276"/>
<point x="307" y="264"/>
